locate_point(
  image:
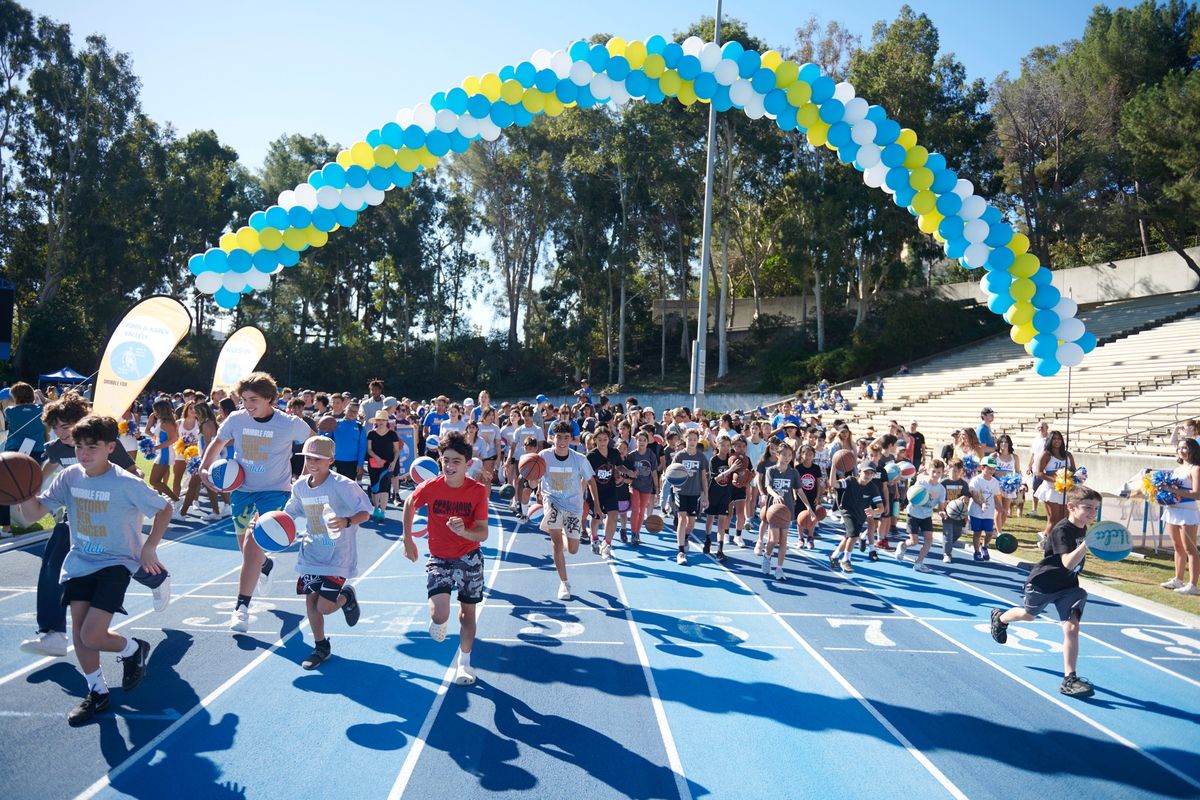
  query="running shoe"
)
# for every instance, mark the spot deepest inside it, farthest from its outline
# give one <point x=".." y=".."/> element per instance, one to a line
<point x="920" y="566"/>
<point x="739" y="541"/>
<point x="596" y="545"/>
<point x="1174" y="583"/>
<point x="464" y="675"/>
<point x="999" y="627"/>
<point x="564" y="590"/>
<point x="606" y="551"/>
<point x="46" y="643"/>
<point x="1188" y="588"/>
<point x="93" y="704"/>
<point x="766" y="565"/>
<point x="162" y="594"/>
<point x="978" y="556"/>
<point x="681" y="559"/>
<point x="350" y="609"/>
<point x="873" y="555"/>
<point x="947" y="558"/>
<point x="318" y="656"/>
<point x="1075" y="686"/>
<point x="134" y="666"/>
<point x="707" y="546"/>
<point x="900" y="552"/>
<point x="986" y="555"/>
<point x="846" y="567"/>
<point x="239" y="620"/>
<point x="637" y="539"/>
<point x="779" y="576"/>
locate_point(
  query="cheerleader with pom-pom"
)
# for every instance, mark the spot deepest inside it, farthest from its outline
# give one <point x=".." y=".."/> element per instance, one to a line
<point x="189" y="436"/>
<point x="1182" y="518"/>
<point x="1054" y="459"/>
<point x="1008" y="473"/>
<point x="206" y="424"/>
<point x="164" y="432"/>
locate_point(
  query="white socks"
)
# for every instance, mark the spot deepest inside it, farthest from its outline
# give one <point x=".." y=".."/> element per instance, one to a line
<point x="130" y="648"/>
<point x="95" y="682"/>
<point x="464" y="659"/>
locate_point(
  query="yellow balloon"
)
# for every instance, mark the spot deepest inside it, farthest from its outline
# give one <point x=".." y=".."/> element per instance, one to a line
<point x="616" y="46"/>
<point x="362" y="154"/>
<point x="270" y="238"/>
<point x="534" y="101"/>
<point x="916" y="157"/>
<point x="1020" y="313"/>
<point x="771" y="59"/>
<point x="1022" y="334"/>
<point x="491" y="86"/>
<point x="407" y="159"/>
<point x="654" y="66"/>
<point x="670" y="83"/>
<point x="928" y="223"/>
<point x="921" y="178"/>
<point x="428" y="160"/>
<point x="818" y="134"/>
<point x="227" y="242"/>
<point x="1019" y="243"/>
<point x="295" y="238"/>
<point x="247" y="239"/>
<point x="512" y="91"/>
<point x="554" y="106"/>
<point x="470" y="84"/>
<point x="315" y="237"/>
<point x="907" y="138"/>
<point x="635" y="54"/>
<point x="808" y="114"/>
<point x="343" y="159"/>
<point x="786" y="74"/>
<point x="799" y="93"/>
<point x="924" y="201"/>
<point x="384" y="156"/>
<point x="1024" y="266"/>
<point x="686" y="93"/>
<point x="1022" y="289"/>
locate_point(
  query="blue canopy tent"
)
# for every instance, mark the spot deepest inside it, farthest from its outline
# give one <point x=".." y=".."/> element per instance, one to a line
<point x="64" y="375"/>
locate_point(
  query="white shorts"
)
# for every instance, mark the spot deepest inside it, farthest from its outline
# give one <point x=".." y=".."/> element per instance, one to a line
<point x="1181" y="514"/>
<point x="555" y="519"/>
<point x="1048" y="494"/>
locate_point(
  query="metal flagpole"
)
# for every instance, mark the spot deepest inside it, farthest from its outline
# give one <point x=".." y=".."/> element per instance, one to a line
<point x="698" y="352"/>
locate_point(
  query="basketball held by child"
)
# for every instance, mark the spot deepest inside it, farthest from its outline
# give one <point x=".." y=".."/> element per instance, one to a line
<point x="274" y="531"/>
<point x="326" y="424"/>
<point x="226" y="474"/>
<point x="535" y="514"/>
<point x="1109" y="541"/>
<point x="531" y="467"/>
<point x="742" y="478"/>
<point x="423" y="469"/>
<point x="843" y="462"/>
<point x="20" y="478"/>
<point x="918" y="495"/>
<point x="779" y="515"/>
<point x="420" y="523"/>
<point x="676" y="475"/>
<point x="654" y="523"/>
<point x="958" y="508"/>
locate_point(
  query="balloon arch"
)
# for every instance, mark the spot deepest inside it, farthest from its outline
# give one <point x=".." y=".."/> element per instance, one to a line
<point x="796" y="96"/>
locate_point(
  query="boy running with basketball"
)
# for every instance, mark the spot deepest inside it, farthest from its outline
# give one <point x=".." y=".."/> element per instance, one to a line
<point x="1055" y="581"/>
<point x="106" y="505"/>
<point x="693" y="493"/>
<point x="457" y="507"/>
<point x="567" y="473"/>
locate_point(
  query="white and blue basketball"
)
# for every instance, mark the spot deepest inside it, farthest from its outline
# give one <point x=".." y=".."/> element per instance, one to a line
<point x="676" y="475"/>
<point x="423" y="469"/>
<point x="535" y="515"/>
<point x="1109" y="541"/>
<point x="274" y="531"/>
<point x="420" y="523"/>
<point x="918" y="494"/>
<point x="907" y="469"/>
<point x="226" y="474"/>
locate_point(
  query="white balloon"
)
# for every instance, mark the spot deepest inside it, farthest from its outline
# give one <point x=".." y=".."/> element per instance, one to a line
<point x="863" y="132"/>
<point x="352" y="198"/>
<point x="844" y="91"/>
<point x="208" y="282"/>
<point x="726" y="71"/>
<point x="755" y="109"/>
<point x="560" y="62"/>
<point x="581" y="73"/>
<point x="973" y="207"/>
<point x="258" y="281"/>
<point x="601" y="86"/>
<point x="868" y="156"/>
<point x="306" y="196"/>
<point x="740" y="92"/>
<point x="874" y="176"/>
<point x="1069" y="329"/>
<point x="964" y="188"/>
<point x="287" y="199"/>
<point x="278" y="269"/>
<point x="692" y="46"/>
<point x="619" y="94"/>
<point x="856" y="111"/>
<point x="373" y="196"/>
<point x="328" y="197"/>
<point x="976" y="255"/>
<point x="445" y="120"/>
<point x="234" y="281"/>
<point x="710" y="56"/>
<point x="424" y="116"/>
<point x="488" y="130"/>
<point x="468" y="126"/>
<point x="404" y="117"/>
<point x="975" y="230"/>
<point x="1066" y="307"/>
<point x="1069" y="354"/>
<point x="540" y="58"/>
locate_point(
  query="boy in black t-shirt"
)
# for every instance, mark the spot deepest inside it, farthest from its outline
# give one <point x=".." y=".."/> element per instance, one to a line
<point x="859" y="496"/>
<point x="1055" y="581"/>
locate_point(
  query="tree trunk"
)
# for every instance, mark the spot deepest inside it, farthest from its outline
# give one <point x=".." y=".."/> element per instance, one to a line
<point x="1137" y="194"/>
<point x="1174" y="244"/>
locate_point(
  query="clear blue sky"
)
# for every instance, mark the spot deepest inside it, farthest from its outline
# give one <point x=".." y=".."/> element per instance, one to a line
<point x="254" y="70"/>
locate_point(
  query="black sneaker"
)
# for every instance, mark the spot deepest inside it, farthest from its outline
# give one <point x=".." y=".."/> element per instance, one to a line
<point x="1075" y="686"/>
<point x="862" y="545"/>
<point x="135" y="666"/>
<point x="318" y="656"/>
<point x="92" y="705"/>
<point x="350" y="609"/>
<point x="707" y="546"/>
<point x="624" y="537"/>
<point x="637" y="539"/>
<point x="999" y="629"/>
<point x="833" y="561"/>
<point x="873" y="555"/>
<point x="585" y="538"/>
<point x="720" y="554"/>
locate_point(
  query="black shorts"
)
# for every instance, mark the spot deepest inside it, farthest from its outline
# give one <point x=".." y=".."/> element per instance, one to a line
<point x="854" y="528"/>
<point x="328" y="586"/>
<point x="347" y="469"/>
<point x="104" y="589"/>
<point x="718" y="503"/>
<point x="443" y="575"/>
<point x="688" y="504"/>
<point x="920" y="525"/>
<point x="1068" y="602"/>
<point x="736" y="493"/>
<point x="374" y="474"/>
<point x="608" y="503"/>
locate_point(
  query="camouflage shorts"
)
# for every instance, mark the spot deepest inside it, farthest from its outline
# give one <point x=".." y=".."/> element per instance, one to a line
<point x="443" y="575"/>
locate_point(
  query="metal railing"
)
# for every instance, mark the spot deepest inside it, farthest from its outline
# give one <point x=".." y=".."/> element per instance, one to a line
<point x="1137" y="435"/>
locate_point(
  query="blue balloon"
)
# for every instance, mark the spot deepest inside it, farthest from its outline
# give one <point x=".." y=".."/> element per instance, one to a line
<point x="438" y="101"/>
<point x="1044" y="345"/>
<point x="748" y="63"/>
<point x="478" y="106"/>
<point x="809" y="72"/>
<point x="438" y="143"/>
<point x="456" y="101"/>
<point x="654" y="95"/>
<point x="334" y="175"/>
<point x="638" y="83"/>
<point x="935" y="162"/>
<point x="521" y="116"/>
<point x="393" y="135"/>
<point x="579" y="49"/>
<point x="507" y="73"/>
<point x="239" y="260"/>
<point x="763" y="80"/>
<point x="999" y="303"/>
<point x="374" y="138"/>
<point x="287" y="256"/>
<point x="1046" y="297"/>
<point x="689" y="68"/>
<point x="944" y="181"/>
<point x="1087" y="342"/>
<point x="400" y="177"/>
<point x="379" y="178"/>
<point x="896" y="179"/>
<point x="264" y="260"/>
<point x="955" y="248"/>
<point x="258" y="220"/>
<point x="566" y="91"/>
<point x="1000" y="258"/>
<point x="886" y="132"/>
<point x="786" y="119"/>
<point x="527" y="73"/>
<point x="947" y="204"/>
<point x="502" y="114"/>
<point x="822" y="89"/>
<point x="1046" y="367"/>
<point x="1043" y="277"/>
<point x="345" y="216"/>
<point x="598" y="57"/>
<point x="997" y="282"/>
<point x="706" y="87"/>
<point x="876" y="114"/>
<point x="546" y="80"/>
<point x="893" y="155"/>
<point x="458" y="142"/>
<point x="991" y="215"/>
<point x="951" y="227"/>
<point x="356" y="176"/>
<point x="832" y="110"/>
<point x="848" y="152"/>
<point x="671" y="53"/>
<point x="655" y="44"/>
<point x="316" y="179"/>
<point x="999" y="234"/>
<point x="196" y="264"/>
<point x="839" y="135"/>
<point x="323" y="219"/>
<point x="277" y="216"/>
<point x="414" y="137"/>
<point x="585" y="98"/>
<point x="730" y="50"/>
<point x="1045" y="320"/>
<point x="298" y="217"/>
<point x="226" y="299"/>
<point x="904" y="196"/>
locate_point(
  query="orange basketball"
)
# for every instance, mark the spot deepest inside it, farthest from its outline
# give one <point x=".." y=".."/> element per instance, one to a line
<point x="779" y="516"/>
<point x="654" y="523"/>
<point x="326" y="424"/>
<point x="743" y="479"/>
<point x="20" y="478"/>
<point x="843" y="461"/>
<point x="821" y="513"/>
<point x="805" y="519"/>
<point x="532" y="467"/>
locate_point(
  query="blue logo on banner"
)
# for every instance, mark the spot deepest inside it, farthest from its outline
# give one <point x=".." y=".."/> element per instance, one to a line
<point x="132" y="361"/>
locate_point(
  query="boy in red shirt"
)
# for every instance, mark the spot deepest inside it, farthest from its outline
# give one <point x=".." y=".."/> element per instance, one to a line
<point x="458" y="522"/>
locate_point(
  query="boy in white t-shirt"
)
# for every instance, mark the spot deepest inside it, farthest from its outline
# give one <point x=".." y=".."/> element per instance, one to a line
<point x="984" y="489"/>
<point x="920" y="515"/>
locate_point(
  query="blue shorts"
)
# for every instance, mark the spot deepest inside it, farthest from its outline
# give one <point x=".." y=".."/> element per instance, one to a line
<point x="248" y="505"/>
<point x="981" y="525"/>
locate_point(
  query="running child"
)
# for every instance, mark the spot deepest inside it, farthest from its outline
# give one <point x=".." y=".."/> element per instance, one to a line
<point x="692" y="493"/>
<point x="644" y="464"/>
<point x="567" y="473"/>
<point x="920" y="515"/>
<point x="861" y="499"/>
<point x="780" y="485"/>
<point x="811" y="485"/>
<point x="984" y="490"/>
<point x="720" y="495"/>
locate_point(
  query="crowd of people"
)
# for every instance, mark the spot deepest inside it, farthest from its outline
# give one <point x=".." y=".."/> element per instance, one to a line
<point x="591" y="472"/>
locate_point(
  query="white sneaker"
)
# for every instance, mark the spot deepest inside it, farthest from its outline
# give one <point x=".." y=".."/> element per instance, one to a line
<point x="681" y="558"/>
<point x="779" y="576"/>
<point x="920" y="566"/>
<point x="946" y="559"/>
<point x="465" y="675"/>
<point x="162" y="594"/>
<point x="606" y="551"/>
<point x="564" y="590"/>
<point x="766" y="565"/>
<point x="1189" y="589"/>
<point x="739" y="541"/>
<point x="177" y="511"/>
<point x="1174" y="583"/>
<point x="210" y="516"/>
<point x="50" y="643"/>
<point x="437" y="632"/>
<point x="899" y="552"/>
<point x="239" y="620"/>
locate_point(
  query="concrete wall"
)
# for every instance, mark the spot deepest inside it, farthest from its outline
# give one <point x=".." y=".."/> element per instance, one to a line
<point x="1109" y="472"/>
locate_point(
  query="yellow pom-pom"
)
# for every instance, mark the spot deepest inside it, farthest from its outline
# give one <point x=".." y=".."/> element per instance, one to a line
<point x="123" y="427"/>
<point x="1064" y="480"/>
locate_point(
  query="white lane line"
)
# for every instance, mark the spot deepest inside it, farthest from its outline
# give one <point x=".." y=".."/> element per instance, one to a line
<point x="418" y="743"/>
<point x="1031" y="687"/>
<point x="119" y="769"/>
<point x="890" y="650"/>
<point x="540" y="640"/>
<point x="920" y="757"/>
<point x="660" y="713"/>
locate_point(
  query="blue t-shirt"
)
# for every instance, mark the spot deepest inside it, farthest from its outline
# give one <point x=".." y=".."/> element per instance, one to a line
<point x="984" y="434"/>
<point x="433" y="420"/>
<point x="25" y="422"/>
